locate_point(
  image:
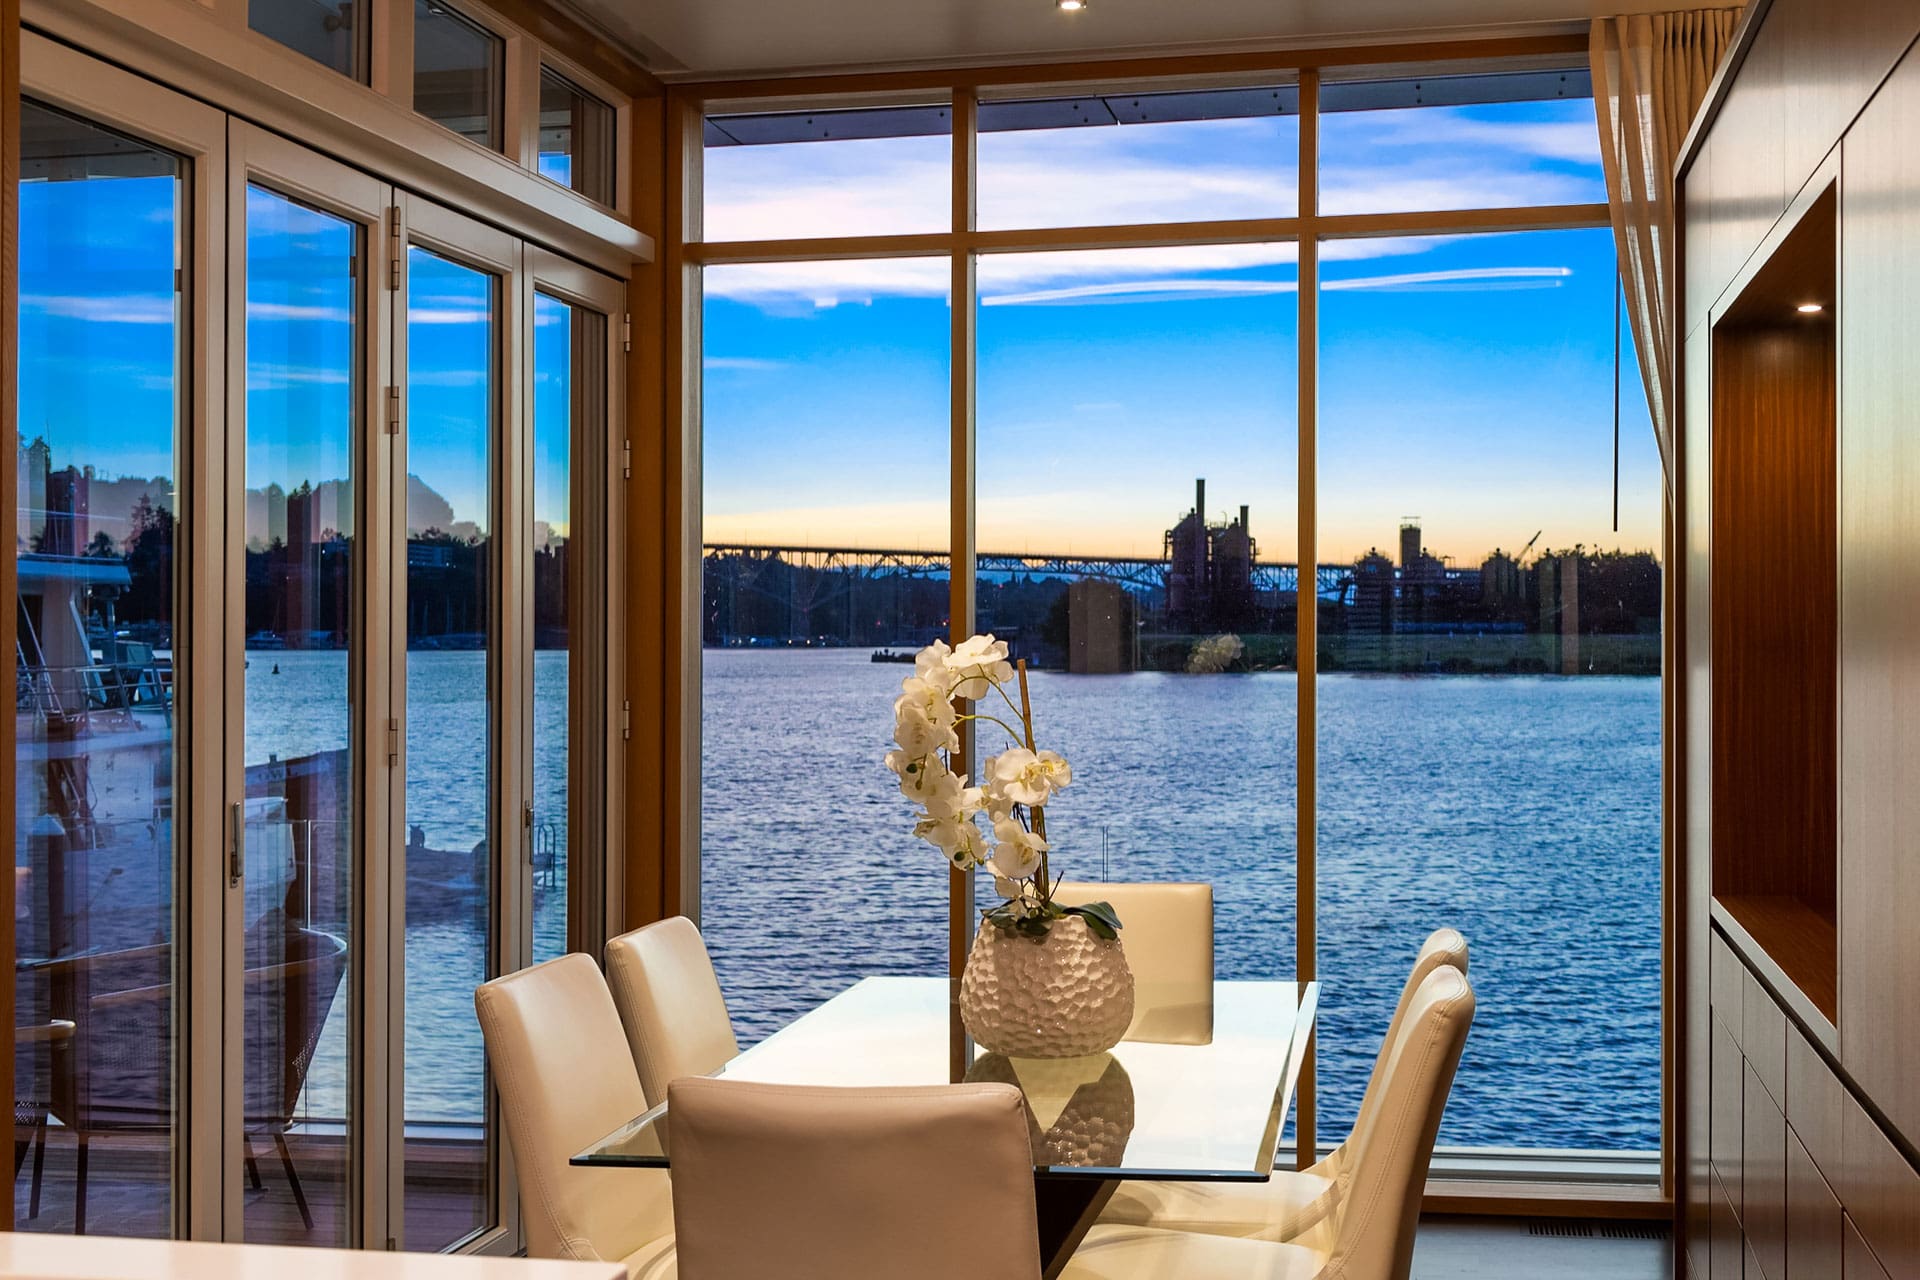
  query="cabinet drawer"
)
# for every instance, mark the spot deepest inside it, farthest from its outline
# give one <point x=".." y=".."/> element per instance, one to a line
<point x="1726" y="982"/>
<point x="1727" y="1070"/>
<point x="1815" y="1224"/>
<point x="1763" y="1038"/>
<point x="1881" y="1193"/>
<point x="1763" y="1196"/>
<point x="1814" y="1096"/>
<point x="1860" y="1263"/>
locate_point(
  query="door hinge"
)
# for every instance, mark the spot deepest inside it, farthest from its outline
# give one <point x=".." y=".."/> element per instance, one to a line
<point x="626" y="333"/>
<point x="236" y="837"/>
<point x="626" y="720"/>
<point x="526" y="821"/>
<point x="393" y="411"/>
<point x="626" y="459"/>
<point x="393" y="247"/>
<point x="393" y="743"/>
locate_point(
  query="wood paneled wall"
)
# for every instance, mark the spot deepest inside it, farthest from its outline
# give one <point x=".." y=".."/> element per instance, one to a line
<point x="1880" y="603"/>
<point x="1812" y="94"/>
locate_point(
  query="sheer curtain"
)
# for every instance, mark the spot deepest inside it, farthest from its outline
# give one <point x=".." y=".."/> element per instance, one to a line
<point x="1650" y="73"/>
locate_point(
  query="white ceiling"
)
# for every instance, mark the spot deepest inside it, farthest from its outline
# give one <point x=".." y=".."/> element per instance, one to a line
<point x="704" y="39"/>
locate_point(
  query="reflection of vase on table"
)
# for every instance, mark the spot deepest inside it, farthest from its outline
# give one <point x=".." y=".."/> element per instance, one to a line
<point x="1079" y="1110"/>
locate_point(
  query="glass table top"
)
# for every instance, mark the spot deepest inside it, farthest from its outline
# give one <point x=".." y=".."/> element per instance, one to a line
<point x="1207" y="1103"/>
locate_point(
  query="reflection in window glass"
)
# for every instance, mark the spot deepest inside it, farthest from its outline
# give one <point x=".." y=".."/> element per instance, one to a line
<point x="1489" y="691"/>
<point x="331" y="32"/>
<point x="796" y="174"/>
<point x="1136" y="530"/>
<point x="452" y="390"/>
<point x="303" y="371"/>
<point x="100" y="395"/>
<point x="459" y="74"/>
<point x="569" y="404"/>
<point x="576" y="137"/>
<point x="1140" y="157"/>
<point x="821" y="549"/>
<point x="1459" y="142"/>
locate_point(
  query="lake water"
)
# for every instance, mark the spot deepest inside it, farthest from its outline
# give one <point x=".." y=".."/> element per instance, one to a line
<point x="1524" y="811"/>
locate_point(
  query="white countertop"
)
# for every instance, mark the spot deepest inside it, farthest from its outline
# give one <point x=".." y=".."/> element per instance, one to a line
<point x="62" y="1257"/>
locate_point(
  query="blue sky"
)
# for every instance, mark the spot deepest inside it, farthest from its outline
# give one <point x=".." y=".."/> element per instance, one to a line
<point x="1464" y="380"/>
<point x="100" y="335"/>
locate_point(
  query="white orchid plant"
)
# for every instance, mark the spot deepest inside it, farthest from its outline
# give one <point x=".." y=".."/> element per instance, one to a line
<point x="934" y="702"/>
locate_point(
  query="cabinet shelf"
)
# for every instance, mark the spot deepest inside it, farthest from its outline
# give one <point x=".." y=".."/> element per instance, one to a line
<point x="1791" y="937"/>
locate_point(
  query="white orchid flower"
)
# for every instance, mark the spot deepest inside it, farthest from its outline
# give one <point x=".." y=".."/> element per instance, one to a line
<point x="957" y="837"/>
<point x="920" y="735"/>
<point x="930" y="698"/>
<point x="930" y="665"/>
<point x="977" y="665"/>
<point x="1024" y="777"/>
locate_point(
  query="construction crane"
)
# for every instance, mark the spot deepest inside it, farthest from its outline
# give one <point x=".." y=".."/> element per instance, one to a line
<point x="1522" y="557"/>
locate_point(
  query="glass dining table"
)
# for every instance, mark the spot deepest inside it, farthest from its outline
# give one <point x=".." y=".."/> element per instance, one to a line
<point x="1204" y="1101"/>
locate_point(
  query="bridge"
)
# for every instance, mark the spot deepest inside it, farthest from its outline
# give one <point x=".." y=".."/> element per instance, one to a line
<point x="1332" y="582"/>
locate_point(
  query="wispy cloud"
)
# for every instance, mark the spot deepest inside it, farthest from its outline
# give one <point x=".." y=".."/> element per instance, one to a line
<point x="750" y="363"/>
<point x="130" y="308"/>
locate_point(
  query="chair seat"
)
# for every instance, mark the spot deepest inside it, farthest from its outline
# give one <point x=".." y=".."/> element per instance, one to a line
<point x="652" y="1261"/>
<point x="1277" y="1210"/>
<point x="1145" y="1253"/>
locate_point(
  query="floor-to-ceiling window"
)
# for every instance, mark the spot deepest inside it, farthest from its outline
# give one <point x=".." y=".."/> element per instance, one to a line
<point x="1180" y="468"/>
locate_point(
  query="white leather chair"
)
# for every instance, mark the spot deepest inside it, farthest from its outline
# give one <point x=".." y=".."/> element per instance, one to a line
<point x="1167" y="930"/>
<point x="1294" y="1200"/>
<point x="1368" y="1233"/>
<point x="566" y="1080"/>
<point x="795" y="1182"/>
<point x="670" y="1002"/>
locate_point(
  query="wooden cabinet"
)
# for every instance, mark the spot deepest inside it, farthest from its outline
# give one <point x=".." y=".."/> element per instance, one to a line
<point x="1814" y="1098"/>
<point x="1726" y="1251"/>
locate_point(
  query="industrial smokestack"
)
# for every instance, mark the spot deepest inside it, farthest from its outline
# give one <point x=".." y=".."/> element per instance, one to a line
<point x="1200" y="498"/>
<point x="1243" y="515"/>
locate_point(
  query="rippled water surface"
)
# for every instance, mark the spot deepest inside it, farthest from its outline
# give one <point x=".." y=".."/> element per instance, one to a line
<point x="1524" y="811"/>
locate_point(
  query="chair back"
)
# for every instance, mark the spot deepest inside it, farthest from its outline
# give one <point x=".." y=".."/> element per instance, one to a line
<point x="1167" y="931"/>
<point x="565" y="1079"/>
<point x="1373" y="1223"/>
<point x="1443" y="947"/>
<point x="289" y="993"/>
<point x="813" y="1183"/>
<point x="670" y="1002"/>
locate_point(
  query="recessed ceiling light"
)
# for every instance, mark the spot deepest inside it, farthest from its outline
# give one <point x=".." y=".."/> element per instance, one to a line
<point x="1070" y="6"/>
<point x="1810" y="308"/>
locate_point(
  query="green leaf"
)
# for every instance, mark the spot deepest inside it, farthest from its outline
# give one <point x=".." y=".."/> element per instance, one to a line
<point x="1100" y="917"/>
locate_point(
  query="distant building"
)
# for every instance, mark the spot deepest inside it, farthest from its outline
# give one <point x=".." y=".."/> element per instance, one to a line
<point x="1099" y="628"/>
<point x="1210" y="571"/>
<point x="1373" y="596"/>
<point x="1500" y="580"/>
<point x="1557" y="581"/>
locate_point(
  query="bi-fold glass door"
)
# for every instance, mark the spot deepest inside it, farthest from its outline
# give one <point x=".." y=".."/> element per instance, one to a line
<point x="312" y="674"/>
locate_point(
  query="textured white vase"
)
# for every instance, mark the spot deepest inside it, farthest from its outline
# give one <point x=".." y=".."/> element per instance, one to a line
<point x="1079" y="1110"/>
<point x="1065" y="994"/>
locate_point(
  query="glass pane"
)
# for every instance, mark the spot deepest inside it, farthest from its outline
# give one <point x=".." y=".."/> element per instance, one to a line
<point x="798" y="174"/>
<point x="1489" y="690"/>
<point x="452" y="391"/>
<point x="569" y="381"/>
<point x="1140" y="157"/>
<point x="821" y="549"/>
<point x="459" y="74"/>
<point x="1459" y="142"/>
<point x="1136" y="529"/>
<point x="303" y="371"/>
<point x="100" y="410"/>
<point x="331" y="32"/>
<point x="576" y="137"/>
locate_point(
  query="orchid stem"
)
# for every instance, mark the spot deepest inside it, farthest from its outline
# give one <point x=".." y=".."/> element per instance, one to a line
<point x="1038" y="813"/>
